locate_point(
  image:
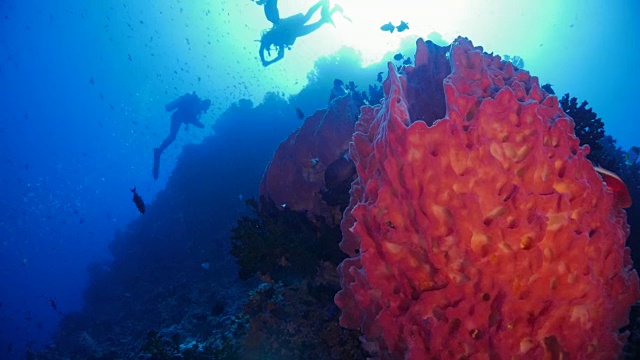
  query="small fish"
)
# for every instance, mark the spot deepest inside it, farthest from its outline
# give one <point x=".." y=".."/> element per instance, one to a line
<point x="299" y="113"/>
<point x="379" y="77"/>
<point x="407" y="61"/>
<point x="52" y="301"/>
<point x="388" y="27"/>
<point x="616" y="186"/>
<point x="205" y="265"/>
<point x="398" y="57"/>
<point x="632" y="155"/>
<point x="138" y="201"/>
<point x="402" y="27"/>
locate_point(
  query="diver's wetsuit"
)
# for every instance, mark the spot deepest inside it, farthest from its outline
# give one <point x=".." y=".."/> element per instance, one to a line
<point x="187" y="110"/>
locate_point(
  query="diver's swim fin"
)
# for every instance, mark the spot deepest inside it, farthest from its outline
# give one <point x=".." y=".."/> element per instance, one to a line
<point x="326" y="17"/>
<point x="327" y="14"/>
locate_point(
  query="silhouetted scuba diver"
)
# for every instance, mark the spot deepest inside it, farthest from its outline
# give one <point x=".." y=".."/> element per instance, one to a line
<point x="188" y="109"/>
<point x="284" y="32"/>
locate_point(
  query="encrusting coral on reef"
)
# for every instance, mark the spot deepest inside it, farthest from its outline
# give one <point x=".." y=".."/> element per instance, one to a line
<point x="488" y="233"/>
<point x="282" y="245"/>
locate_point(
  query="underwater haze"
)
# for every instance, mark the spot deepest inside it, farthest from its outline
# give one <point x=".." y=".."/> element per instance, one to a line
<point x="83" y="89"/>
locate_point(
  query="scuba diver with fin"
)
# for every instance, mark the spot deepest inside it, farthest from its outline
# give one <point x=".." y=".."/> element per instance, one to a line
<point x="186" y="109"/>
<point x="285" y="31"/>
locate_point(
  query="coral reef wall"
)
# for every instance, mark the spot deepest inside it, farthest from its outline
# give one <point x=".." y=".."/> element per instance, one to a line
<point x="487" y="233"/>
<point x="158" y="278"/>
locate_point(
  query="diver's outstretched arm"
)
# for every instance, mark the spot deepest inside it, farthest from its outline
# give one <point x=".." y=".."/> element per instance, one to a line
<point x="261" y="52"/>
<point x="174" y="104"/>
<point x="279" y="57"/>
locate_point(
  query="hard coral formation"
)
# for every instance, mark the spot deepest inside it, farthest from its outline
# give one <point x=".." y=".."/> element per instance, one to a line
<point x="589" y="127"/>
<point x="282" y="245"/>
<point x="296" y="322"/>
<point x="486" y="235"/>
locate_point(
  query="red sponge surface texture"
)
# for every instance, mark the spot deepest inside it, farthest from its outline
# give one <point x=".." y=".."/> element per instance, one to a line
<point x="486" y="234"/>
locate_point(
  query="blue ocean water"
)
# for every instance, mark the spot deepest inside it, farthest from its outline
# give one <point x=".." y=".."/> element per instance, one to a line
<point x="83" y="88"/>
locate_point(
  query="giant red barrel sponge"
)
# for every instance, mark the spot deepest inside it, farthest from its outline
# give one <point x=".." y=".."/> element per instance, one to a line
<point x="485" y="235"/>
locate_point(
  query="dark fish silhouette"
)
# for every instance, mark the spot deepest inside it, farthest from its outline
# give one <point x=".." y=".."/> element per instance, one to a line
<point x="402" y="27"/>
<point x="388" y="27"/>
<point x="398" y="57"/>
<point x="54" y="306"/>
<point x="407" y="61"/>
<point x="138" y="201"/>
<point x="379" y="78"/>
<point x="299" y="113"/>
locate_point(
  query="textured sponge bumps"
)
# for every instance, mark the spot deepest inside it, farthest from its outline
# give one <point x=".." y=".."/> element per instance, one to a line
<point x="487" y="234"/>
